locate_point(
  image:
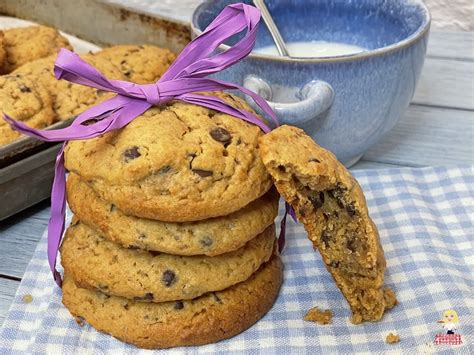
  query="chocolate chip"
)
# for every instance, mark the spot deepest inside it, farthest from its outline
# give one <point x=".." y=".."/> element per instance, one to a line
<point x="340" y="202"/>
<point x="123" y="62"/>
<point x="314" y="160"/>
<point x="350" y="244"/>
<point x="216" y="298"/>
<point x="325" y="238"/>
<point x="317" y="200"/>
<point x="164" y="169"/>
<point x="206" y="241"/>
<point x="351" y="210"/>
<point x="131" y="153"/>
<point x="230" y="97"/>
<point x="202" y="173"/>
<point x="221" y="135"/>
<point x="178" y="305"/>
<point x="301" y="212"/>
<point x="192" y="156"/>
<point x="168" y="278"/>
<point x="281" y="168"/>
<point x="24" y="88"/>
<point x="127" y="73"/>
<point x="147" y="297"/>
<point x="337" y="192"/>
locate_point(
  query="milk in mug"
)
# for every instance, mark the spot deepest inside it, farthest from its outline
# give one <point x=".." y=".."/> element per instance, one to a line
<point x="313" y="49"/>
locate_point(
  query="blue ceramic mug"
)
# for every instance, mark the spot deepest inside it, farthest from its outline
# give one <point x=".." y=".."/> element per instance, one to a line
<point x="347" y="102"/>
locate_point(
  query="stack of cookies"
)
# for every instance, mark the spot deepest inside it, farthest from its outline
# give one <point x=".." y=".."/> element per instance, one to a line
<point x="173" y="239"/>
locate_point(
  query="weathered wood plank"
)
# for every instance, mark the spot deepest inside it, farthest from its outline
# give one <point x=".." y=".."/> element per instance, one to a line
<point x="428" y="136"/>
<point x="19" y="236"/>
<point x="451" y="44"/>
<point x="446" y="83"/>
<point x="7" y="292"/>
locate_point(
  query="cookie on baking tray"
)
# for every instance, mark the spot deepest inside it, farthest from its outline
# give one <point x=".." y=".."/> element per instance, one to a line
<point x="26" y="100"/>
<point x="94" y="262"/>
<point x="208" y="237"/>
<point x="24" y="44"/>
<point x="176" y="162"/>
<point x="3" y="53"/>
<point x="70" y="99"/>
<point x="212" y="317"/>
<point x="332" y="207"/>
<point x="139" y="64"/>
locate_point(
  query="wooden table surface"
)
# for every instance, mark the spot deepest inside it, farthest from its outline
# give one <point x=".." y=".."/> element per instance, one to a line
<point x="436" y="130"/>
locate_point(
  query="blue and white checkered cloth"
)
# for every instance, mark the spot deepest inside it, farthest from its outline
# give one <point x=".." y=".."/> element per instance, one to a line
<point x="425" y="219"/>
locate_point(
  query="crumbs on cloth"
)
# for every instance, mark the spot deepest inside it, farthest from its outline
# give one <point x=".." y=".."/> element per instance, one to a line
<point x="392" y="338"/>
<point x="319" y="316"/>
<point x="27" y="298"/>
<point x="424" y="217"/>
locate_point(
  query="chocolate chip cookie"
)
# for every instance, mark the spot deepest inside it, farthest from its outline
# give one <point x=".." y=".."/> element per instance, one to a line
<point x="3" y="53"/>
<point x="70" y="99"/>
<point x="26" y="100"/>
<point x="25" y="44"/>
<point x="139" y="64"/>
<point x="207" y="319"/>
<point x="209" y="237"/>
<point x="95" y="262"/>
<point x="332" y="207"/>
<point x="176" y="162"/>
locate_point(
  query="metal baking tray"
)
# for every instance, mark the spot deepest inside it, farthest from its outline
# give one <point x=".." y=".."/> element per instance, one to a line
<point x="27" y="165"/>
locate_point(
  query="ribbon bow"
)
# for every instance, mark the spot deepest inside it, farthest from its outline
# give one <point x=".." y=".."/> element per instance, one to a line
<point x="185" y="76"/>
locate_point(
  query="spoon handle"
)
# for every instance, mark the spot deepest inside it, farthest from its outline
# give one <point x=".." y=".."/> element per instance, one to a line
<point x="277" y="38"/>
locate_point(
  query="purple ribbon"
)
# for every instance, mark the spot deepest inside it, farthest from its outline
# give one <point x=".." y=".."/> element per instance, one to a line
<point x="185" y="76"/>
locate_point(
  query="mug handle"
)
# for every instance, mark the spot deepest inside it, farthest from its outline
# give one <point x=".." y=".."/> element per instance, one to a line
<point x="316" y="97"/>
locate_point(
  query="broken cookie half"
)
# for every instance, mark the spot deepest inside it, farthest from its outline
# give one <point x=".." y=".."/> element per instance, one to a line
<point x="332" y="207"/>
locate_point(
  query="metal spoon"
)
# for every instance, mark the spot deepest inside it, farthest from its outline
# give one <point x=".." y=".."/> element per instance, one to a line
<point x="275" y="33"/>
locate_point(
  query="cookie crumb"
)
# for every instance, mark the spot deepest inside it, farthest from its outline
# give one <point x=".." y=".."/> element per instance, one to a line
<point x="79" y="320"/>
<point x="27" y="298"/>
<point x="319" y="316"/>
<point x="389" y="298"/>
<point x="392" y="338"/>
